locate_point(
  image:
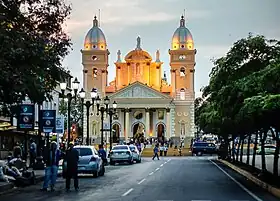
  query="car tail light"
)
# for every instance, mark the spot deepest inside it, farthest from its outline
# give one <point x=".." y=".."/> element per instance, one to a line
<point x="92" y="159"/>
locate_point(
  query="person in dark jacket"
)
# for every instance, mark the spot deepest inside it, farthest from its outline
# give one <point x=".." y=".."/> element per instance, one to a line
<point x="51" y="158"/>
<point x="72" y="159"/>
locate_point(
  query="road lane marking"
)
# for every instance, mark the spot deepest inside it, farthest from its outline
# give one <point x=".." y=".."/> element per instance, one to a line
<point x="161" y="165"/>
<point x="127" y="192"/>
<point x="165" y="162"/>
<point x="169" y="160"/>
<point x="151" y="173"/>
<point x="238" y="183"/>
<point x="140" y="182"/>
<point x="157" y="169"/>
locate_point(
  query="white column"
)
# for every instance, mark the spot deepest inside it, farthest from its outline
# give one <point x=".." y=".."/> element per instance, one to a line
<point x="168" y="123"/>
<point x="127" y="126"/>
<point x="173" y="82"/>
<point x="147" y="133"/>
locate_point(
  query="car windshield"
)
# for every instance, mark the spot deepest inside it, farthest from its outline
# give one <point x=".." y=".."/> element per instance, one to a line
<point x="84" y="151"/>
<point x="119" y="147"/>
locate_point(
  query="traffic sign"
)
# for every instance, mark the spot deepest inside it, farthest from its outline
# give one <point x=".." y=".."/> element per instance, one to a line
<point x="26" y="117"/>
<point x="48" y="121"/>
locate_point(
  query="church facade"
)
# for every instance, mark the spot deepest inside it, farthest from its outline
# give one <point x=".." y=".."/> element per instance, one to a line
<point x="147" y="103"/>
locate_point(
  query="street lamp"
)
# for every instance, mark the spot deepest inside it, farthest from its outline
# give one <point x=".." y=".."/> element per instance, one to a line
<point x="112" y="111"/>
<point x="69" y="96"/>
<point x="88" y="104"/>
<point x="102" y="110"/>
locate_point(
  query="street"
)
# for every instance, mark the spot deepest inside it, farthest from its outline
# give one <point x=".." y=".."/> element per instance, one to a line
<point x="169" y="179"/>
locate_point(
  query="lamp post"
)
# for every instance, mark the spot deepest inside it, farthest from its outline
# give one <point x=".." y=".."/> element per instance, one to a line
<point x="69" y="98"/>
<point x="112" y="111"/>
<point x="88" y="104"/>
<point x="102" y="109"/>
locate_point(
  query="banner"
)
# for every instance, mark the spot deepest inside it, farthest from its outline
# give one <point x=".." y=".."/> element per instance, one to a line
<point x="26" y="117"/>
<point x="60" y="124"/>
<point x="48" y="121"/>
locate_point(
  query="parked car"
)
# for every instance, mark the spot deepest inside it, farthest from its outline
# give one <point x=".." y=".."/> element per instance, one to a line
<point x="121" y="153"/>
<point x="89" y="161"/>
<point x="135" y="153"/>
<point x="268" y="149"/>
<point x="200" y="148"/>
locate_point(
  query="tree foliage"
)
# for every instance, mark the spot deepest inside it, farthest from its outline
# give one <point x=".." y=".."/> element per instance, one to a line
<point x="244" y="90"/>
<point x="33" y="45"/>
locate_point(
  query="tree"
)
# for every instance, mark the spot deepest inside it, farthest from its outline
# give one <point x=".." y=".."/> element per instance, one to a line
<point x="33" y="45"/>
<point x="76" y="112"/>
<point x="240" y="84"/>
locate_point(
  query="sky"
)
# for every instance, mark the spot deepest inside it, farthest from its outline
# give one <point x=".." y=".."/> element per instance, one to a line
<point x="215" y="25"/>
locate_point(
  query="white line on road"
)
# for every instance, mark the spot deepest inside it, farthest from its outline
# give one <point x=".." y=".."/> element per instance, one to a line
<point x="169" y="160"/>
<point x="140" y="182"/>
<point x="127" y="192"/>
<point x="161" y="165"/>
<point x="151" y="173"/>
<point x="165" y="162"/>
<point x="157" y="169"/>
<point x="238" y="183"/>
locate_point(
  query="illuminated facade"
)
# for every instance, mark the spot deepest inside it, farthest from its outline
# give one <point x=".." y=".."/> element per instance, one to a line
<point x="147" y="103"/>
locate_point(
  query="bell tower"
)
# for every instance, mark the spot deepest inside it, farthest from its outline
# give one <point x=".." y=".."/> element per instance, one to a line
<point x="182" y="62"/>
<point x="95" y="60"/>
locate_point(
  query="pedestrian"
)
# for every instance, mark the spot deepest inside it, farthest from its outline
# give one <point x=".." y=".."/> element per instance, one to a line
<point x="102" y="153"/>
<point x="51" y="158"/>
<point x="156" y="152"/>
<point x="72" y="159"/>
<point x="32" y="153"/>
<point x="17" y="151"/>
<point x="165" y="149"/>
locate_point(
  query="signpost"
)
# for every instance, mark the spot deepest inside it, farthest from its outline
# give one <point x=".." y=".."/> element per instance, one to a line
<point x="26" y="117"/>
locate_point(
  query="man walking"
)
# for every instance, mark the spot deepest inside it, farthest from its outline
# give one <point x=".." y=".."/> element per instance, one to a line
<point x="51" y="158"/>
<point x="72" y="159"/>
<point x="156" y="152"/>
<point x="33" y="153"/>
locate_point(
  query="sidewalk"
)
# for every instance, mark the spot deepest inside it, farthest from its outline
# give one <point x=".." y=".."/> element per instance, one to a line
<point x="39" y="174"/>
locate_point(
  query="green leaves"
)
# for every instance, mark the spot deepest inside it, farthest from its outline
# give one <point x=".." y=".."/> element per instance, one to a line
<point x="244" y="89"/>
<point x="33" y="45"/>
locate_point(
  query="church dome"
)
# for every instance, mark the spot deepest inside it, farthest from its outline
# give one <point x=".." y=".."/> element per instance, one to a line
<point x="182" y="37"/>
<point x="95" y="38"/>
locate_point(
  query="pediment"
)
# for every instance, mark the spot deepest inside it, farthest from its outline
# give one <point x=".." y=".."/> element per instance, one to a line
<point x="138" y="90"/>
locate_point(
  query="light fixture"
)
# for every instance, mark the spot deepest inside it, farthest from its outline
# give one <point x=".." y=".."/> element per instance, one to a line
<point x="98" y="100"/>
<point x="76" y="84"/>
<point x="82" y="93"/>
<point x="106" y="100"/>
<point x="93" y="93"/>
<point x="114" y="104"/>
<point x="63" y="85"/>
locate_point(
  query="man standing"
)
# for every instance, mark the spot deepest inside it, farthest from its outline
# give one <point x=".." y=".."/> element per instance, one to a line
<point x="33" y="153"/>
<point x="72" y="159"/>
<point x="51" y="158"/>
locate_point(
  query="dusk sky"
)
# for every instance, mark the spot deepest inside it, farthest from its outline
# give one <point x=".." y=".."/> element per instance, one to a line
<point x="214" y="24"/>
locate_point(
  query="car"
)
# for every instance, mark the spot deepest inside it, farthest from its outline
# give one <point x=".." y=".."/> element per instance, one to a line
<point x="135" y="153"/>
<point x="121" y="153"/>
<point x="268" y="149"/>
<point x="89" y="161"/>
<point x="200" y="148"/>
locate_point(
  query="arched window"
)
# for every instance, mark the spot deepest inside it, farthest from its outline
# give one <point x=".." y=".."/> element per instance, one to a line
<point x="94" y="71"/>
<point x="182" y="72"/>
<point x="182" y="94"/>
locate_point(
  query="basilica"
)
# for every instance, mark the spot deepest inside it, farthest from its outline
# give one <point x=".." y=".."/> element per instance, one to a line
<point x="147" y="103"/>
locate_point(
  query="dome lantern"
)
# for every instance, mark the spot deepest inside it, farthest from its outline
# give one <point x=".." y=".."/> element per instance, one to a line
<point x="95" y="38"/>
<point x="182" y="37"/>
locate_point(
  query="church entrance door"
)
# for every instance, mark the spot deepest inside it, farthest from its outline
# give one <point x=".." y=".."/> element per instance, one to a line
<point x="116" y="133"/>
<point x="138" y="132"/>
<point x="160" y="132"/>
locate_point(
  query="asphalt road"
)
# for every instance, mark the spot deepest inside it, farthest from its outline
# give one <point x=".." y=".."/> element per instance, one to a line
<point x="169" y="179"/>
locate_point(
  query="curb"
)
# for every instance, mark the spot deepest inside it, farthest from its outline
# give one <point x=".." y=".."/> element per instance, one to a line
<point x="273" y="190"/>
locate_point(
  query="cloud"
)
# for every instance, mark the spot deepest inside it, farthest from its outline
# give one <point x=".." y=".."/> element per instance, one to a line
<point x="122" y="13"/>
